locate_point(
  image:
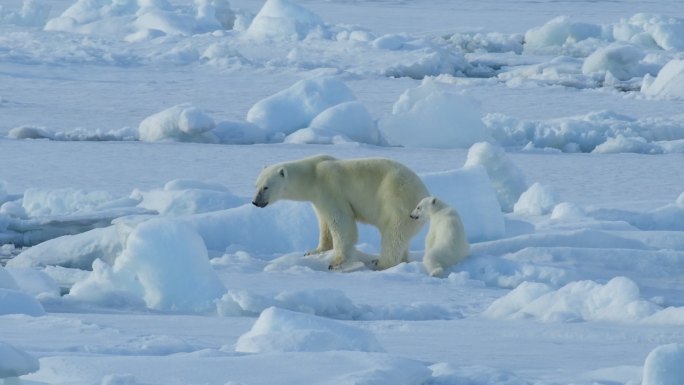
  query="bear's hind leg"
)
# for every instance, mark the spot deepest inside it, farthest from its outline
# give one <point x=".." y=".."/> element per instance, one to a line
<point x="393" y="249"/>
<point x="395" y="241"/>
<point x="433" y="267"/>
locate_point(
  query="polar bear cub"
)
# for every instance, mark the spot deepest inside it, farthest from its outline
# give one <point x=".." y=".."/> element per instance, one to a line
<point x="446" y="243"/>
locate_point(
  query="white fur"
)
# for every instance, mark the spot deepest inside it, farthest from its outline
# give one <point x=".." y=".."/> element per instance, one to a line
<point x="446" y="243"/>
<point x="377" y="191"/>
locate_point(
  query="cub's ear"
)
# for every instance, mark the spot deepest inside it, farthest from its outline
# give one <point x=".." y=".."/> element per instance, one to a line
<point x="433" y="201"/>
<point x="282" y="172"/>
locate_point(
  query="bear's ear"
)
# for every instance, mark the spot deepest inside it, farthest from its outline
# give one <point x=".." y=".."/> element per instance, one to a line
<point x="282" y="172"/>
<point x="434" y="201"/>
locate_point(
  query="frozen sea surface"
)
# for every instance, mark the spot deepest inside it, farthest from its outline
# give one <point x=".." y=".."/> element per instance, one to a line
<point x="132" y="133"/>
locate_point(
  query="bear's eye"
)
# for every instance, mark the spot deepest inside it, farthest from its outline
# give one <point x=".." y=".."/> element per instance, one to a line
<point x="265" y="188"/>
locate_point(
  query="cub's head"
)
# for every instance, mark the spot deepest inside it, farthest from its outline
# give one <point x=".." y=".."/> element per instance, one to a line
<point x="270" y="185"/>
<point x="425" y="207"/>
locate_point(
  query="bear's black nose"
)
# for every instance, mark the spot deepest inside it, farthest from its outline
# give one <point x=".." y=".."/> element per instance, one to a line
<point x="259" y="204"/>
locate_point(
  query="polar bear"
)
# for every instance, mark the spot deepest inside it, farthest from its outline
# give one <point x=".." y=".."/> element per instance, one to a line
<point x="446" y="243"/>
<point x="377" y="191"/>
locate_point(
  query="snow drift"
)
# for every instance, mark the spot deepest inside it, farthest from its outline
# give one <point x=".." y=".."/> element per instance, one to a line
<point x="663" y="365"/>
<point x="432" y="116"/>
<point x="165" y="263"/>
<point x="279" y="330"/>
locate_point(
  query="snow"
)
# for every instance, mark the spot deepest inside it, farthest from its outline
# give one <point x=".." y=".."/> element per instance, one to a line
<point x="132" y="133"/>
<point x="668" y="83"/>
<point x="559" y="32"/>
<point x="185" y="281"/>
<point x="183" y="122"/>
<point x="295" y="107"/>
<point x="130" y="19"/>
<point x="651" y="29"/>
<point x="620" y="61"/>
<point x="344" y="122"/>
<point x="283" y="19"/>
<point x="469" y="190"/>
<point x="506" y="178"/>
<point x="617" y="300"/>
<point x="15" y="362"/>
<point x="536" y="200"/>
<point x="429" y="116"/>
<point x="663" y="365"/>
<point x="278" y="330"/>
<point x="18" y="302"/>
<point x="183" y="197"/>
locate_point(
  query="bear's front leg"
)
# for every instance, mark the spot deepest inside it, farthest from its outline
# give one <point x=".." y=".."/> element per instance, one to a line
<point x="325" y="240"/>
<point x="343" y="232"/>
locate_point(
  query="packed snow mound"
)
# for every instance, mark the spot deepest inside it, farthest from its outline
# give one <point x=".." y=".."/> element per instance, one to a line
<point x="7" y="281"/>
<point x="184" y="197"/>
<point x="74" y="251"/>
<point x="559" y="32"/>
<point x="42" y="214"/>
<point x="621" y="61"/>
<point x="536" y="200"/>
<point x="563" y="35"/>
<point x="663" y="366"/>
<point x="652" y="31"/>
<point x="13" y="297"/>
<point x="184" y="123"/>
<point x="469" y="190"/>
<point x="77" y="134"/>
<point x="283" y="19"/>
<point x="136" y="19"/>
<point x="586" y="133"/>
<point x="344" y="122"/>
<point x="296" y="107"/>
<point x="236" y="227"/>
<point x="165" y="263"/>
<point x="320" y="110"/>
<point x="34" y="282"/>
<point x="431" y="115"/>
<point x="617" y="300"/>
<point x="507" y="179"/>
<point x="41" y="202"/>
<point x="279" y="330"/>
<point x="15" y="362"/>
<point x="620" y="144"/>
<point x="669" y="83"/>
<point x="18" y="302"/>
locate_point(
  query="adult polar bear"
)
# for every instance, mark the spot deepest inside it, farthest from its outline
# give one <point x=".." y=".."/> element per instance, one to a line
<point x="377" y="191"/>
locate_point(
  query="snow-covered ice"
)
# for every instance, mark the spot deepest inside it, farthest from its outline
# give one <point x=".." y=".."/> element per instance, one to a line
<point x="132" y="133"/>
<point x="663" y="365"/>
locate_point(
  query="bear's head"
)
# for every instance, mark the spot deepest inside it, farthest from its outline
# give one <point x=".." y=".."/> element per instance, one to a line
<point x="270" y="185"/>
<point x="425" y="207"/>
